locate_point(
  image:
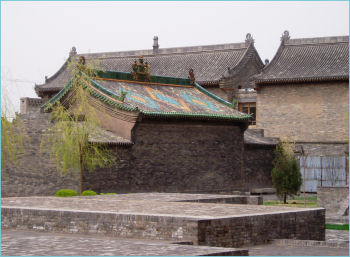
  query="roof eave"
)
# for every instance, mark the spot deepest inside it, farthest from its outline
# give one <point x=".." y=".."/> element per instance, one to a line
<point x="300" y="80"/>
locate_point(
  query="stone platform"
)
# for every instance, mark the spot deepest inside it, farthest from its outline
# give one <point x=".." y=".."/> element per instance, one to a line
<point x="220" y="225"/>
<point x="181" y="197"/>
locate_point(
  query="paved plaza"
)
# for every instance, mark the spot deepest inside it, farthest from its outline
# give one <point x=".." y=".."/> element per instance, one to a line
<point x="153" y="224"/>
<point x="26" y="243"/>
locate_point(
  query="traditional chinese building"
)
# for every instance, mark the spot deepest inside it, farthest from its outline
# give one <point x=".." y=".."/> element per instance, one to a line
<point x="303" y="94"/>
<point x="225" y="70"/>
<point x="169" y="135"/>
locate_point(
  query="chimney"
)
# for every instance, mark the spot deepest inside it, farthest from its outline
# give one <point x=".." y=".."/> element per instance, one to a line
<point x="155" y="44"/>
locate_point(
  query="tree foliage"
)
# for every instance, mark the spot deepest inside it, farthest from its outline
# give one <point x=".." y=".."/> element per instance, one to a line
<point x="286" y="176"/>
<point x="13" y="133"/>
<point x="75" y="124"/>
<point x="13" y="136"/>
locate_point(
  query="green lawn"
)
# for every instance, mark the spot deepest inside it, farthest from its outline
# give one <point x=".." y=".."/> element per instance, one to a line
<point x="297" y="201"/>
<point x="337" y="226"/>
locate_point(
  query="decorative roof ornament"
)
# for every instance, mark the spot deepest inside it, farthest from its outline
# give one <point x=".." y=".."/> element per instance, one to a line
<point x="285" y="36"/>
<point x="227" y="73"/>
<point x="81" y="60"/>
<point x="191" y="76"/>
<point x="73" y="51"/>
<point x="267" y="61"/>
<point x="249" y="39"/>
<point x="141" y="70"/>
<point x="81" y="63"/>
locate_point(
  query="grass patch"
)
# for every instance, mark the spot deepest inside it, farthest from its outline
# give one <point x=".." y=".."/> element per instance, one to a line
<point x="292" y="203"/>
<point x="337" y="226"/>
<point x="308" y="198"/>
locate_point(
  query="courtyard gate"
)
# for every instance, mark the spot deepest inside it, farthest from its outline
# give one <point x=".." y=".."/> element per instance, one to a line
<point x="325" y="170"/>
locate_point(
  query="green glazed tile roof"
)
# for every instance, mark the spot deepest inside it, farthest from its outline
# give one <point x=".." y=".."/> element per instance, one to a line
<point x="162" y="97"/>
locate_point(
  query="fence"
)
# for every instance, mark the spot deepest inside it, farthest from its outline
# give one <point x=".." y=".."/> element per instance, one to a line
<point x="324" y="170"/>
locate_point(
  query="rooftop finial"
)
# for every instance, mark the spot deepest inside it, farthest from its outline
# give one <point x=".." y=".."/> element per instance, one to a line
<point x="191" y="76"/>
<point x="267" y="61"/>
<point x="285" y="36"/>
<point x="73" y="51"/>
<point x="249" y="39"/>
<point x="155" y="43"/>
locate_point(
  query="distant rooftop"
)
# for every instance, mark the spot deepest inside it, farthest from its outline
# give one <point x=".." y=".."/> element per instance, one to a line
<point x="209" y="62"/>
<point x="308" y="59"/>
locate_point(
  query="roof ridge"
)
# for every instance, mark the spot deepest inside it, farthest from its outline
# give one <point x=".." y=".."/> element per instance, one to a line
<point x="318" y="40"/>
<point x="171" y="50"/>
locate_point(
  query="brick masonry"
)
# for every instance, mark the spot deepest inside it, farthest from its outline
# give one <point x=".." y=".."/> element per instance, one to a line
<point x="334" y="199"/>
<point x="258" y="165"/>
<point x="208" y="224"/>
<point x="176" y="157"/>
<point x="305" y="112"/>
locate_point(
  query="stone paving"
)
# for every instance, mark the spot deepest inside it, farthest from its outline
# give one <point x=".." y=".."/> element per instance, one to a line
<point x="185" y="197"/>
<point x="145" y="207"/>
<point x="25" y="243"/>
<point x="29" y="243"/>
<point x="333" y="235"/>
<point x="282" y="250"/>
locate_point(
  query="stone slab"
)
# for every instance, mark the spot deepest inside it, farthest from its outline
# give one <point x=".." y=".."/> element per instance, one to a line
<point x="183" y="197"/>
<point x="223" y="225"/>
<point x="24" y="243"/>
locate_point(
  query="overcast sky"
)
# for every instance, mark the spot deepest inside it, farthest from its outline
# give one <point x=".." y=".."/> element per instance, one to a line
<point x="36" y="36"/>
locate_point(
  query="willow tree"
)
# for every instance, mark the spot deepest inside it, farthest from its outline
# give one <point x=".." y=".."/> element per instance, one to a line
<point x="13" y="133"/>
<point x="13" y="136"/>
<point x="74" y="124"/>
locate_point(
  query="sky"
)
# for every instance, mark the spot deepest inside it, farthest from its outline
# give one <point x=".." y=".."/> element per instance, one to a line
<point x="36" y="37"/>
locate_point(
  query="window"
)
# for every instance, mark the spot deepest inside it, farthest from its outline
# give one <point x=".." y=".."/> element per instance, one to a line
<point x="248" y="108"/>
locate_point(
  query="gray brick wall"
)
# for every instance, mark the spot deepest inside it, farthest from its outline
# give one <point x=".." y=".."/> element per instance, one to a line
<point x="305" y="112"/>
<point x="176" y="157"/>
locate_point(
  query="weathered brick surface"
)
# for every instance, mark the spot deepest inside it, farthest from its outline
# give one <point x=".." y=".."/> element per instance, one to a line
<point x="334" y="199"/>
<point x="305" y="112"/>
<point x="176" y="157"/>
<point x="255" y="229"/>
<point x="258" y="166"/>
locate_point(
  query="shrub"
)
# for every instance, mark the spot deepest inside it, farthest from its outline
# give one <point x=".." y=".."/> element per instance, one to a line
<point x="66" y="193"/>
<point x="88" y="193"/>
<point x="286" y="177"/>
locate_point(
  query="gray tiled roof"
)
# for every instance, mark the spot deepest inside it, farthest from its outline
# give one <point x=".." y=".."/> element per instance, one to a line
<point x="208" y="62"/>
<point x="256" y="137"/>
<point x="108" y="137"/>
<point x="308" y="59"/>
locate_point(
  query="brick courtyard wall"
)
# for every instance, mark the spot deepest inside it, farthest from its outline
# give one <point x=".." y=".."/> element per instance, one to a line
<point x="317" y="112"/>
<point x="257" y="229"/>
<point x="334" y="199"/>
<point x="34" y="173"/>
<point x="176" y="157"/>
<point x="258" y="165"/>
